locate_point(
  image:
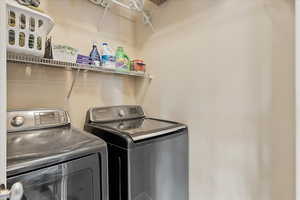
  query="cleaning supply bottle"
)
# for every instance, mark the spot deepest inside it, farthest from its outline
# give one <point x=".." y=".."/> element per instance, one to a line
<point x="122" y="60"/>
<point x="95" y="56"/>
<point x="107" y="57"/>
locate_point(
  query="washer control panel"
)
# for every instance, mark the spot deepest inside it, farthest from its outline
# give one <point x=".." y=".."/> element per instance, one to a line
<point x="36" y="119"/>
<point x="105" y="114"/>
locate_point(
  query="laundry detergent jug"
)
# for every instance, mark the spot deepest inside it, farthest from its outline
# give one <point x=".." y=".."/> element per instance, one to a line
<point x="122" y="60"/>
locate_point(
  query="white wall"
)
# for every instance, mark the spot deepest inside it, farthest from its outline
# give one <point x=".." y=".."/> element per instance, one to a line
<point x="43" y="87"/>
<point x="226" y="69"/>
<point x="77" y="23"/>
<point x="297" y="73"/>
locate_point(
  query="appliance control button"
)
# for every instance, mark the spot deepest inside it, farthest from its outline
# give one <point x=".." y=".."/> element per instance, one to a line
<point x="62" y="118"/>
<point x="17" y="121"/>
<point x="121" y="113"/>
<point x="121" y="126"/>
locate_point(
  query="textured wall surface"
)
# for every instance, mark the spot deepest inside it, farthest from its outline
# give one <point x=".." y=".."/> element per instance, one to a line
<point x="226" y="68"/>
<point x="78" y="24"/>
<point x="44" y="87"/>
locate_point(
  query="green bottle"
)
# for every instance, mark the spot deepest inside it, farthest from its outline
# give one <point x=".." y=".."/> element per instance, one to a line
<point x="122" y="60"/>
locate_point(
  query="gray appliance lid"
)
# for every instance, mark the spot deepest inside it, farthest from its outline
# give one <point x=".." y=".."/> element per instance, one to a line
<point x="143" y="128"/>
<point x="28" y="150"/>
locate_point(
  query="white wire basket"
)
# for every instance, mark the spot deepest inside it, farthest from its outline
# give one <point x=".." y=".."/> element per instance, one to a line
<point x="27" y="29"/>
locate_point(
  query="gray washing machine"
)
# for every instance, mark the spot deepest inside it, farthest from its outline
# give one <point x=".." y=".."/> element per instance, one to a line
<point x="148" y="158"/>
<point x="53" y="160"/>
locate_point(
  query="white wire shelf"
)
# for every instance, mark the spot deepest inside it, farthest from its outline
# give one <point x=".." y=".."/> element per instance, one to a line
<point x="26" y="59"/>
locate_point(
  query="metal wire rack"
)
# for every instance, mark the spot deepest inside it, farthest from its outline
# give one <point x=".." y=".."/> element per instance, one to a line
<point x="27" y="59"/>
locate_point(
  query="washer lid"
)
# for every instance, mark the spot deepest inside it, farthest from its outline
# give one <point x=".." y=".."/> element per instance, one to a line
<point x="144" y="128"/>
<point x="29" y="150"/>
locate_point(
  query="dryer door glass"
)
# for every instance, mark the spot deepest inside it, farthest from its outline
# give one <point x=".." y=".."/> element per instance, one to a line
<point x="74" y="180"/>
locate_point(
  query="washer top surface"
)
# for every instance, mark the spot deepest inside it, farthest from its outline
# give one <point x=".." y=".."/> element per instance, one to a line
<point x="142" y="128"/>
<point x="38" y="147"/>
<point x="125" y="125"/>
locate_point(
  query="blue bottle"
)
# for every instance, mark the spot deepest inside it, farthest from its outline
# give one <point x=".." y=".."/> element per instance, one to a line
<point x="95" y="56"/>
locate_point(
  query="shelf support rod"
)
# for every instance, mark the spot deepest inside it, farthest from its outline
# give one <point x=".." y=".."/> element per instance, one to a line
<point x="73" y="83"/>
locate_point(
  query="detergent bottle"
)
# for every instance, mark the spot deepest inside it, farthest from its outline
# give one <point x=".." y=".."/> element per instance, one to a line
<point x="95" y="56"/>
<point x="122" y="60"/>
<point x="107" y="57"/>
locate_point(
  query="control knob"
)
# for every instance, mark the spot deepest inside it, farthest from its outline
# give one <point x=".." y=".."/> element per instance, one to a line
<point x="17" y="121"/>
<point x="121" y="113"/>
